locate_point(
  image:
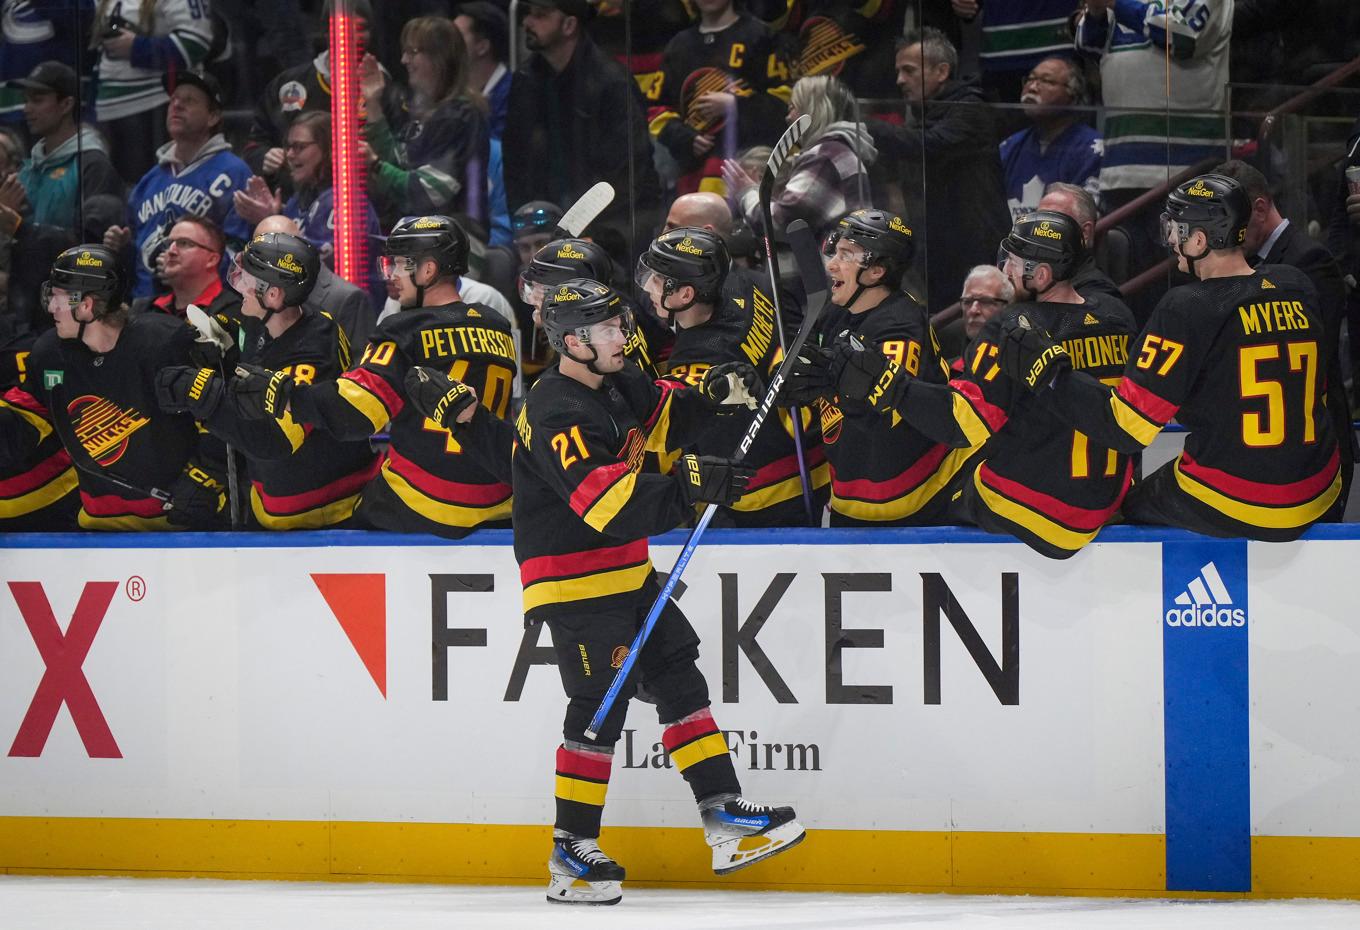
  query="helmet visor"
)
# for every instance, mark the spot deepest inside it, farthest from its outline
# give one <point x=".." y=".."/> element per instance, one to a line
<point x="240" y="280"/>
<point x="392" y="265"/>
<point x="531" y="292"/>
<point x="618" y="328"/>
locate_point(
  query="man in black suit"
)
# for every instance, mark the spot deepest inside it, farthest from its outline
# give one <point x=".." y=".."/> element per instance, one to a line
<point x="1274" y="240"/>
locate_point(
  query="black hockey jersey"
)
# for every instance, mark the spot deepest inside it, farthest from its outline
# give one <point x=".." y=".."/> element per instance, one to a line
<point x="851" y="39"/>
<point x="37" y="482"/>
<point x="746" y="60"/>
<point x="300" y="477"/>
<point x="884" y="471"/>
<point x="426" y="483"/>
<point x="103" y="406"/>
<point x="1038" y="479"/>
<point x="742" y="329"/>
<point x="585" y="503"/>
<point x="1237" y="361"/>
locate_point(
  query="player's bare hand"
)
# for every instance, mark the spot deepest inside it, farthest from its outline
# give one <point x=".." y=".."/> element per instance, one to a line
<point x="273" y="160"/>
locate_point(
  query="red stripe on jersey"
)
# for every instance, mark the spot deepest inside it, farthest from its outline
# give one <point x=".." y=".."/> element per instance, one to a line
<point x="1147" y="403"/>
<point x="37" y="476"/>
<point x="642" y="62"/>
<point x="1078" y="518"/>
<point x="378" y="386"/>
<point x="1257" y="492"/>
<point x="18" y="397"/>
<point x="699" y="724"/>
<point x="866" y="489"/>
<point x="453" y="492"/>
<point x="956" y="366"/>
<point x="287" y="504"/>
<point x="595" y="484"/>
<point x="592" y="765"/>
<point x="572" y="564"/>
<point x="666" y="388"/>
<point x="991" y="414"/>
<point x="111" y="505"/>
<point x="781" y="469"/>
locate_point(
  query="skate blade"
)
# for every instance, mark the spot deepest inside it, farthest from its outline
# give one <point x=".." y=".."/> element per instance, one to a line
<point x="740" y="852"/>
<point x="565" y="890"/>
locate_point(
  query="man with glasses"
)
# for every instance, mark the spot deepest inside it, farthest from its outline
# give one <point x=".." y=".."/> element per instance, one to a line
<point x="190" y="266"/>
<point x="986" y="292"/>
<point x="1059" y="146"/>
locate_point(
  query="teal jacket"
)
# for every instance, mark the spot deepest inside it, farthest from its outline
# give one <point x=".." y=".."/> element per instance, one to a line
<point x="53" y="181"/>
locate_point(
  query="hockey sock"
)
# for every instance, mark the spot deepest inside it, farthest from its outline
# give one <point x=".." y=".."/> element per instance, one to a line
<point x="700" y="752"/>
<point x="582" y="779"/>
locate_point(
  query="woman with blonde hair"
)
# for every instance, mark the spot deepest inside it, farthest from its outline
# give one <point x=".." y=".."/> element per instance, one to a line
<point x="829" y="176"/>
<point x="431" y="157"/>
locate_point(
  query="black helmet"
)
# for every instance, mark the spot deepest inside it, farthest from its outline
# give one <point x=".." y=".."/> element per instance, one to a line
<point x="576" y="305"/>
<point x="536" y="216"/>
<point x="280" y="260"/>
<point x="437" y="237"/>
<point x="885" y="238"/>
<point x="1214" y="203"/>
<point x="88" y="269"/>
<point x="1046" y="237"/>
<point x="687" y="255"/>
<point x="564" y="259"/>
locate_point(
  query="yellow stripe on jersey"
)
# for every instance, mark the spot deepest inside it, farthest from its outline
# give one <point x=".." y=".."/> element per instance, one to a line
<point x="1053" y="533"/>
<point x="712" y="185"/>
<point x="975" y="429"/>
<point x="711" y="745"/>
<point x="656" y="439"/>
<point x="441" y="511"/>
<point x="580" y="791"/>
<point x="130" y="522"/>
<point x="1127" y="418"/>
<point x="661" y="120"/>
<point x="609" y="504"/>
<point x="600" y="584"/>
<point x="292" y="431"/>
<point x="318" y="518"/>
<point x="903" y="507"/>
<point x="32" y="419"/>
<point x="786" y="490"/>
<point x="364" y="401"/>
<point x="39" y="497"/>
<point x="1277" y="518"/>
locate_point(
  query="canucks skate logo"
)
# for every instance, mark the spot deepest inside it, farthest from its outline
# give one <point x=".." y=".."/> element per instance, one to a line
<point x="1199" y="190"/>
<point x="689" y="248"/>
<point x="1205" y="602"/>
<point x="103" y="427"/>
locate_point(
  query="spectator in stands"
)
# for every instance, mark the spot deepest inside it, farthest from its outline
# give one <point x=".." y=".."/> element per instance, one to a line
<point x="486" y="33"/>
<point x="191" y="267"/>
<point x="11" y="150"/>
<point x="950" y="139"/>
<point x="27" y="250"/>
<point x="853" y="41"/>
<point x="577" y="117"/>
<point x="1059" y="146"/>
<point x="141" y="44"/>
<point x="986" y="292"/>
<point x="197" y="174"/>
<point x="430" y="156"/>
<point x="829" y="176"/>
<point x="349" y="305"/>
<point x="703" y="210"/>
<point x="1077" y="202"/>
<point x="1274" y="240"/>
<point x="68" y="163"/>
<point x="1015" y="38"/>
<point x="534" y="225"/>
<point x="34" y="33"/>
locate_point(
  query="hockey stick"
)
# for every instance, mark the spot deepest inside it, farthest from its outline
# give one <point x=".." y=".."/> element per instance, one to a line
<point x="218" y="337"/>
<point x="805" y="250"/>
<point x="778" y="158"/>
<point x="586" y="208"/>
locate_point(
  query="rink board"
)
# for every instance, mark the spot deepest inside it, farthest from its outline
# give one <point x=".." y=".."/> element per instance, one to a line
<point x="946" y="710"/>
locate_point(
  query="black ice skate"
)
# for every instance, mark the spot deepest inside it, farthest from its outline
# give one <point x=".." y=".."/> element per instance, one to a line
<point x="580" y="873"/>
<point x="742" y="833"/>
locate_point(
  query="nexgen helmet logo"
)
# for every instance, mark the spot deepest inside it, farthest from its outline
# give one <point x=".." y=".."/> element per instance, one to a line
<point x="896" y="224"/>
<point x="568" y="252"/>
<point x="426" y="222"/>
<point x="1199" y="190"/>
<point x="1047" y="231"/>
<point x="288" y="263"/>
<point x="689" y="248"/>
<point x="89" y="261"/>
<point x="564" y="295"/>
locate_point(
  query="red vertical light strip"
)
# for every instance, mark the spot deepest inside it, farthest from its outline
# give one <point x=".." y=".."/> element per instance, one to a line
<point x="347" y="164"/>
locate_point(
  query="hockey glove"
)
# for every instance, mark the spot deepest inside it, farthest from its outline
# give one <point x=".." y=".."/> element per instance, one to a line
<point x="707" y="479"/>
<point x="198" y="500"/>
<point x="260" y="393"/>
<point x="732" y="384"/>
<point x="810" y="379"/>
<point x="1029" y="355"/>
<point x="439" y="397"/>
<point x="197" y="391"/>
<point x="214" y="343"/>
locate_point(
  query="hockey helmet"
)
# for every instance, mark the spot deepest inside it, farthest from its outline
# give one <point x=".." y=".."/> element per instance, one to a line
<point x="1046" y="237"/>
<point x="422" y="237"/>
<point x="87" y="269"/>
<point x="281" y="260"/>
<point x="576" y="305"/>
<point x="561" y="260"/>
<point x="1214" y="203"/>
<point x="686" y="255"/>
<point x="536" y="216"/>
<point x="885" y="237"/>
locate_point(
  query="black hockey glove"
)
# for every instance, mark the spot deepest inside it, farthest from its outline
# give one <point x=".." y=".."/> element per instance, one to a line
<point x="260" y="393"/>
<point x="197" y="391"/>
<point x="810" y="378"/>
<point x="707" y="479"/>
<point x="438" y="396"/>
<point x="198" y="500"/>
<point x="1029" y="354"/>
<point x="731" y="385"/>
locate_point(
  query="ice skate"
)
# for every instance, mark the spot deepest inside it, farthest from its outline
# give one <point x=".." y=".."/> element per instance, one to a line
<point x="742" y="833"/>
<point x="581" y="873"/>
